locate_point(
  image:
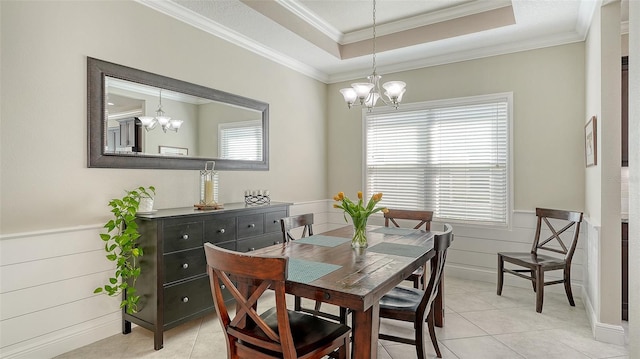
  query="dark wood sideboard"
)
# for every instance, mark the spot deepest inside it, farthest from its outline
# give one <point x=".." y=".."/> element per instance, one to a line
<point x="173" y="285"/>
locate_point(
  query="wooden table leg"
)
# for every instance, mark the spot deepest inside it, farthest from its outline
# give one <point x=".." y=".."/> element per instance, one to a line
<point x="365" y="333"/>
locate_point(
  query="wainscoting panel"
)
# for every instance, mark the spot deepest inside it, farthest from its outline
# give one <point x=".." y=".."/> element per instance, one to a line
<point x="601" y="331"/>
<point x="46" y="293"/>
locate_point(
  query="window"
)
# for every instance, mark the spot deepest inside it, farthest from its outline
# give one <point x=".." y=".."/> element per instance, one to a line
<point x="240" y="140"/>
<point x="450" y="157"/>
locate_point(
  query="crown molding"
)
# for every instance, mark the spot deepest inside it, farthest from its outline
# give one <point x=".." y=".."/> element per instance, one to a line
<point x="312" y="19"/>
<point x="452" y="13"/>
<point x="187" y="16"/>
<point x="465" y="55"/>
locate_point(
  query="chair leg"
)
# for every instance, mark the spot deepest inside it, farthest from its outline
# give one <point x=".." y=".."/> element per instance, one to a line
<point x="567" y="285"/>
<point x="533" y="279"/>
<point x="297" y="303"/>
<point x="343" y="315"/>
<point x="432" y="334"/>
<point x="343" y="351"/>
<point x="419" y="332"/>
<point x="416" y="281"/>
<point x="500" y="274"/>
<point x="539" y="289"/>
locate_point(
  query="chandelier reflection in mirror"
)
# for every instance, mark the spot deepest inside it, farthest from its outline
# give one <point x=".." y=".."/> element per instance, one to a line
<point x="161" y="118"/>
<point x="368" y="93"/>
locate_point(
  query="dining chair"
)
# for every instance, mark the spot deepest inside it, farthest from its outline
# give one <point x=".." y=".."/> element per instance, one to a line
<point x="276" y="332"/>
<point x="305" y="221"/>
<point x="415" y="305"/>
<point x="537" y="264"/>
<point x="424" y="218"/>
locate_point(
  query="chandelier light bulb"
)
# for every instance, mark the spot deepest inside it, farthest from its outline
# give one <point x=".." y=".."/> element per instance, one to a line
<point x="395" y="89"/>
<point x="350" y="95"/>
<point x="174" y="125"/>
<point x="362" y="89"/>
<point x="372" y="99"/>
<point x="148" y="122"/>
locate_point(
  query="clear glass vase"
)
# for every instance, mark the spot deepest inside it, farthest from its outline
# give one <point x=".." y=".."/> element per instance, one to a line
<point x="359" y="239"/>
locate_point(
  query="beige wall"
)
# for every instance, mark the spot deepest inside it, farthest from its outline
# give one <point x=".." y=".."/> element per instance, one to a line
<point x="602" y="190"/>
<point x="548" y="123"/>
<point x="634" y="176"/>
<point x="45" y="182"/>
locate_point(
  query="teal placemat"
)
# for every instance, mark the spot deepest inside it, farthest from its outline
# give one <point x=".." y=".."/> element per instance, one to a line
<point x="395" y="230"/>
<point x="304" y="271"/>
<point x="320" y="240"/>
<point x="398" y="249"/>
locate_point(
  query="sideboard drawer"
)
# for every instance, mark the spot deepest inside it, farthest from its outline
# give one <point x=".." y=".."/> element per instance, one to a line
<point x="227" y="245"/>
<point x="248" y="245"/>
<point x="185" y="264"/>
<point x="220" y="230"/>
<point x="272" y="221"/>
<point x="250" y="225"/>
<point x="182" y="236"/>
<point x="184" y="299"/>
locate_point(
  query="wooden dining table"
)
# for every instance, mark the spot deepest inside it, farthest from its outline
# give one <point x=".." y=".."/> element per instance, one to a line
<point x="325" y="268"/>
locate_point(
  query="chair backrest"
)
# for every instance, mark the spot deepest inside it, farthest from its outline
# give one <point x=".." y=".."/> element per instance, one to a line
<point x="568" y="219"/>
<point x="242" y="273"/>
<point x="425" y="217"/>
<point x="441" y="243"/>
<point x="293" y="222"/>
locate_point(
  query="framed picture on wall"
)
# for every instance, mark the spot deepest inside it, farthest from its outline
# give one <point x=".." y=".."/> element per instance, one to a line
<point x="169" y="150"/>
<point x="591" y="142"/>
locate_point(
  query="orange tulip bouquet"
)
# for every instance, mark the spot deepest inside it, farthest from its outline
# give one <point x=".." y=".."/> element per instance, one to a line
<point x="359" y="214"/>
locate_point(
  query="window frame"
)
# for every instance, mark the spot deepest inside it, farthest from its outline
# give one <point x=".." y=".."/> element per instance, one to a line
<point x="508" y="96"/>
<point x="227" y="126"/>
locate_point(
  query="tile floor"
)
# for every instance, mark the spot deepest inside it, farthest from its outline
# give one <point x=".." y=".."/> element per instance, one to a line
<point x="478" y="324"/>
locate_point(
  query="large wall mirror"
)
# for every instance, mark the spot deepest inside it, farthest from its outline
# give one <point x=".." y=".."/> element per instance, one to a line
<point x="139" y="119"/>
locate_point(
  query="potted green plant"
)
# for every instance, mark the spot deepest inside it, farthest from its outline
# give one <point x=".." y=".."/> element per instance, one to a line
<point x="121" y="247"/>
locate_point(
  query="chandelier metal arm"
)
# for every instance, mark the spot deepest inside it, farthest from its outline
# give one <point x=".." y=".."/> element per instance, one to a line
<point x="368" y="93"/>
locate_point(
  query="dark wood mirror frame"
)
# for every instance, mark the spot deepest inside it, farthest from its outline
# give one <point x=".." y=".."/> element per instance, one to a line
<point x="96" y="72"/>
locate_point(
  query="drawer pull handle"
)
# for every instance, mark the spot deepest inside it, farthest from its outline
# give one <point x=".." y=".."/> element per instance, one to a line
<point x="185" y="266"/>
<point x="275" y="221"/>
<point x="252" y="225"/>
<point x="276" y="242"/>
<point x="185" y="236"/>
<point x="223" y="286"/>
<point x="252" y="249"/>
<point x="222" y="230"/>
<point x="185" y="299"/>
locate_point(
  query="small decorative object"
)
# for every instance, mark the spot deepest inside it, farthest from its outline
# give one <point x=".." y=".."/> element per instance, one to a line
<point x="122" y="249"/>
<point x="359" y="215"/>
<point x="208" y="187"/>
<point x="255" y="197"/>
<point x="591" y="142"/>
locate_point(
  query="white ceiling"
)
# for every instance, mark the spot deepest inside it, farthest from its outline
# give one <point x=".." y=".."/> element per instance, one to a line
<point x="330" y="40"/>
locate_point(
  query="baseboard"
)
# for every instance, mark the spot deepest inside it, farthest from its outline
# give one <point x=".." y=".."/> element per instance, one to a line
<point x="602" y="332"/>
<point x="63" y="341"/>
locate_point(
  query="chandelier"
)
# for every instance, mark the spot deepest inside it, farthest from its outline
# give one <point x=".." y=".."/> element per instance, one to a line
<point x="161" y="118"/>
<point x="368" y="93"/>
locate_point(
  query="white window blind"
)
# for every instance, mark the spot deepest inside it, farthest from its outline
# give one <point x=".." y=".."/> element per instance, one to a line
<point x="451" y="159"/>
<point x="240" y="140"/>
